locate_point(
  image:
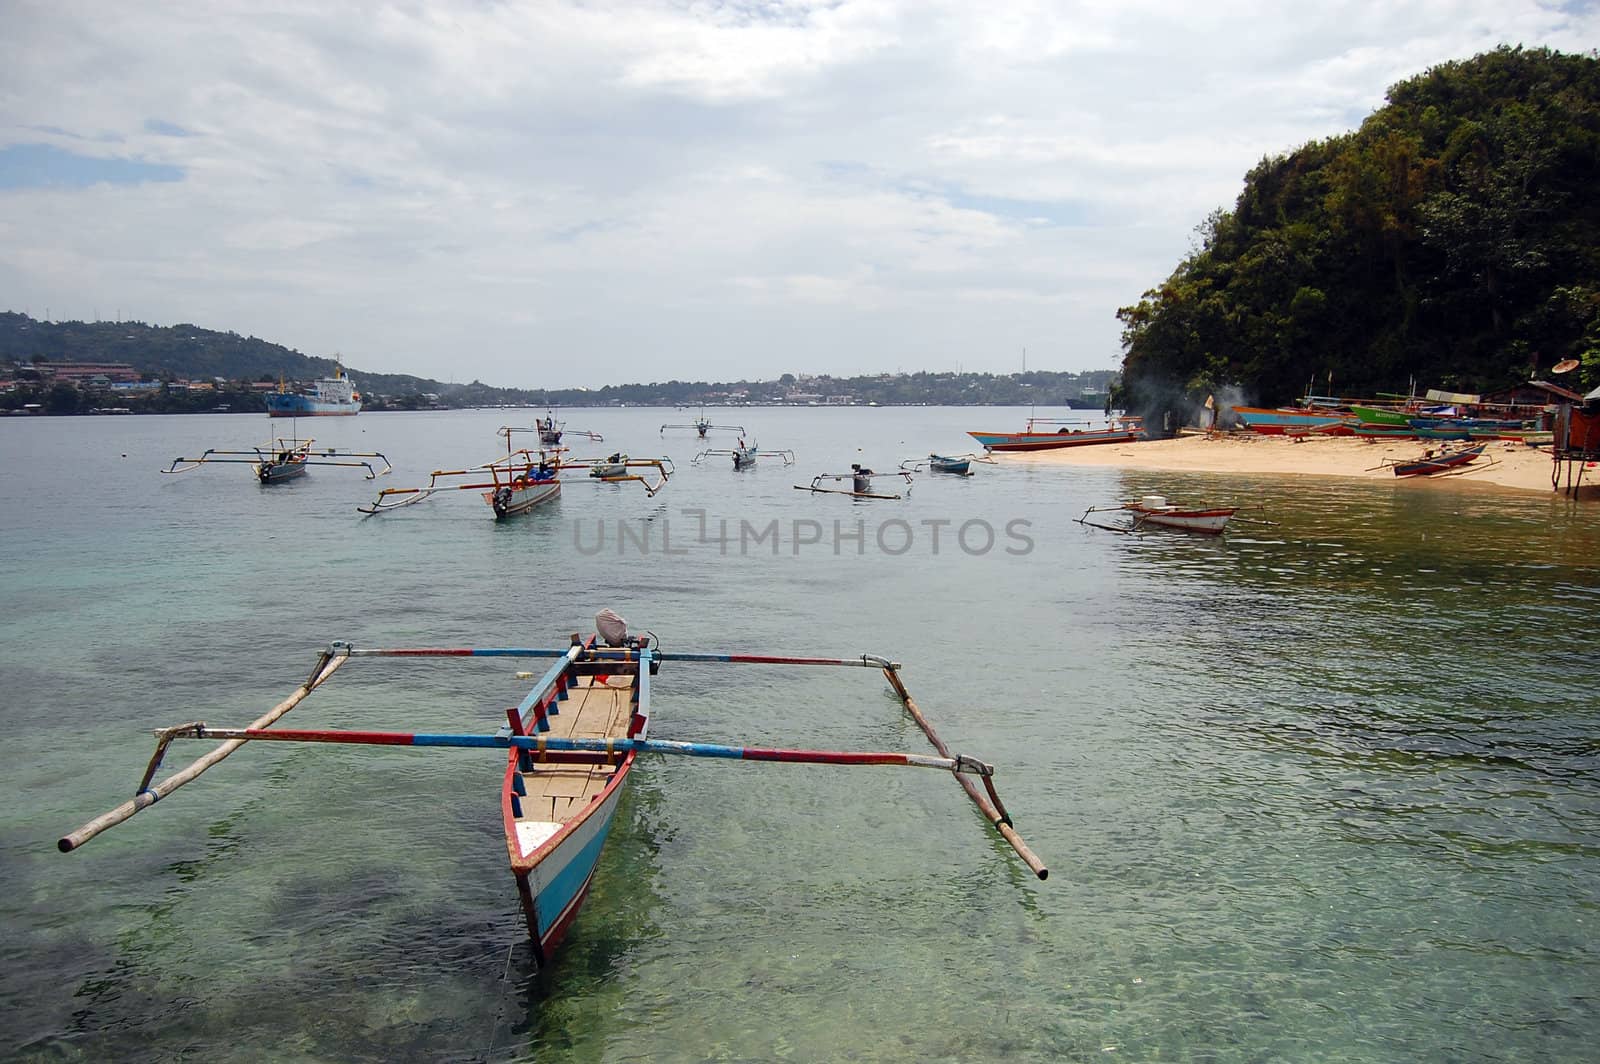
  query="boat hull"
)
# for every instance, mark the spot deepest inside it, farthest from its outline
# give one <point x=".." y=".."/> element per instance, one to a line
<point x="959" y="466"/>
<point x="1428" y="466"/>
<point x="1284" y="422"/>
<point x="517" y="499"/>
<point x="1047" y="441"/>
<point x="557" y="810"/>
<point x="286" y="405"/>
<point x="278" y="472"/>
<point x="553" y="881"/>
<point x="1377" y="415"/>
<point x="1212" y="522"/>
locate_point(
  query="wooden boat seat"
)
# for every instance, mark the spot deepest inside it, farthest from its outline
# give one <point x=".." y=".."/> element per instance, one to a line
<point x="556" y="790"/>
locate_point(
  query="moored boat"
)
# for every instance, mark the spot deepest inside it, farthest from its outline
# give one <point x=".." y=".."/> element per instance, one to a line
<point x="744" y="455"/>
<point x="1039" y="437"/>
<point x="1156" y="510"/>
<point x="570" y="746"/>
<point x="703" y="427"/>
<point x="860" y="478"/>
<point x="285" y="458"/>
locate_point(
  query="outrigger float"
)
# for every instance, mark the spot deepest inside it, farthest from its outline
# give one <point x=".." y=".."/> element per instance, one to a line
<point x="702" y="426"/>
<point x="860" y="479"/>
<point x="283" y="459"/>
<point x="570" y="745"/>
<point x="744" y="455"/>
<point x="960" y="464"/>
<point x="517" y="482"/>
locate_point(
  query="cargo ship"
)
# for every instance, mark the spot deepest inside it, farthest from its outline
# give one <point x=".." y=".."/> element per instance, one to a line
<point x="327" y="397"/>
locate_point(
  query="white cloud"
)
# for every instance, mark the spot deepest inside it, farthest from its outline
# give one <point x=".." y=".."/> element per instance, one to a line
<point x="568" y="193"/>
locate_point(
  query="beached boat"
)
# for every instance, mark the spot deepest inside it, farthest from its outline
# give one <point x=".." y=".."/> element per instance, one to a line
<point x="860" y="479"/>
<point x="1393" y="417"/>
<point x="1039" y="436"/>
<point x="285" y="458"/>
<point x="1283" y="421"/>
<point x="1155" y="510"/>
<point x="327" y="397"/>
<point x="744" y="455"/>
<point x="1439" y="461"/>
<point x="570" y="746"/>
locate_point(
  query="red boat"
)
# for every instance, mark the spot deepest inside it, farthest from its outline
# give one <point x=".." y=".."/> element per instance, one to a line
<point x="1122" y="430"/>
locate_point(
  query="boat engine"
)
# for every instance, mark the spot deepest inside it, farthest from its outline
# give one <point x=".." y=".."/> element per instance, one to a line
<point x="612" y="628"/>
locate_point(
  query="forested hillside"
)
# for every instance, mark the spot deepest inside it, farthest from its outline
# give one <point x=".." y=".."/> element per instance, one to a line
<point x="1453" y="239"/>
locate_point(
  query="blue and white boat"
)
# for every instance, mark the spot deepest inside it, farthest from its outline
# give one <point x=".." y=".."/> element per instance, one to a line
<point x="330" y="396"/>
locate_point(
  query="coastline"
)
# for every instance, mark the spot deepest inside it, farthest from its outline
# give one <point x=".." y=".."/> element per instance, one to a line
<point x="1516" y="466"/>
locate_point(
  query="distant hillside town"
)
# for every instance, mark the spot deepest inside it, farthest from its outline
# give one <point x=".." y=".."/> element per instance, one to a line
<point x="129" y="367"/>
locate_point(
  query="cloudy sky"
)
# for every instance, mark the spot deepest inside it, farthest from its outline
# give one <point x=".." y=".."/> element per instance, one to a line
<point x="565" y="194"/>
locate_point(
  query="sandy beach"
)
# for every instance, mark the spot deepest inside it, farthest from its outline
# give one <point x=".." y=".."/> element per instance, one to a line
<point x="1504" y="464"/>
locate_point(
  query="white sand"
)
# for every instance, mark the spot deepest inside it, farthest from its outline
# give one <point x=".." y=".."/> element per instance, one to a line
<point x="1504" y="463"/>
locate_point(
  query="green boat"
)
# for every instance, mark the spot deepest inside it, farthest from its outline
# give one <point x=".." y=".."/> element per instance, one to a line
<point x="1379" y="415"/>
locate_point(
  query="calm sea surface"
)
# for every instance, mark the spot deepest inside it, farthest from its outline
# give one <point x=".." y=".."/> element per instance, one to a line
<point x="1327" y="789"/>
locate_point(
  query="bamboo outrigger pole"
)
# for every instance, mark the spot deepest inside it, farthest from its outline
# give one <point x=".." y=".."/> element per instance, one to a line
<point x="990" y="806"/>
<point x="147" y="795"/>
<point x="613" y="748"/>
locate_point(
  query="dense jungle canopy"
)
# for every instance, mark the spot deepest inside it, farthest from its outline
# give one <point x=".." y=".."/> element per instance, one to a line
<point x="1453" y="240"/>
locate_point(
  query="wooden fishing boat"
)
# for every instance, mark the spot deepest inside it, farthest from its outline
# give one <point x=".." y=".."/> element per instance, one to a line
<point x="283" y="459"/>
<point x="1155" y="510"/>
<point x="1286" y="421"/>
<point x="618" y="467"/>
<point x="518" y="481"/>
<point x="744" y="455"/>
<point x="551" y="431"/>
<point x="702" y="426"/>
<point x="1433" y="462"/>
<point x="1039" y="437"/>
<point x="860" y="478"/>
<point x="1393" y="417"/>
<point x="570" y="746"/>
<point x="1384" y="432"/>
<point x="956" y="465"/>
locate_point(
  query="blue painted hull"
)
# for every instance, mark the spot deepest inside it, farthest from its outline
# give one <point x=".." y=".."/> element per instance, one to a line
<point x="288" y="405"/>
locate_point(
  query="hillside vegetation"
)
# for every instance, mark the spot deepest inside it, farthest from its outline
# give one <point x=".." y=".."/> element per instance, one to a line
<point x="1453" y="240"/>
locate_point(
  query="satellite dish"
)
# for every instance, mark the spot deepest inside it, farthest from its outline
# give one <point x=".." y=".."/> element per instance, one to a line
<point x="1566" y="366"/>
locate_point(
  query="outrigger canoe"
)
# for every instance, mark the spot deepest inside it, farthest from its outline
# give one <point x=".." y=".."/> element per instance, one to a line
<point x="570" y="745"/>
<point x="860" y="478"/>
<point x="1431" y="463"/>
<point x="1156" y="510"/>
<point x="744" y="455"/>
<point x="285" y="458"/>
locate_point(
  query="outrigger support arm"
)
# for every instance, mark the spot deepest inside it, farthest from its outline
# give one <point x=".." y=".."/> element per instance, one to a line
<point x="990" y="805"/>
<point x="147" y="795"/>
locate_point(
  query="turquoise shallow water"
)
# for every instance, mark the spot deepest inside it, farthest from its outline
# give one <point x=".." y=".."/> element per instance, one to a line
<point x="1326" y="789"/>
